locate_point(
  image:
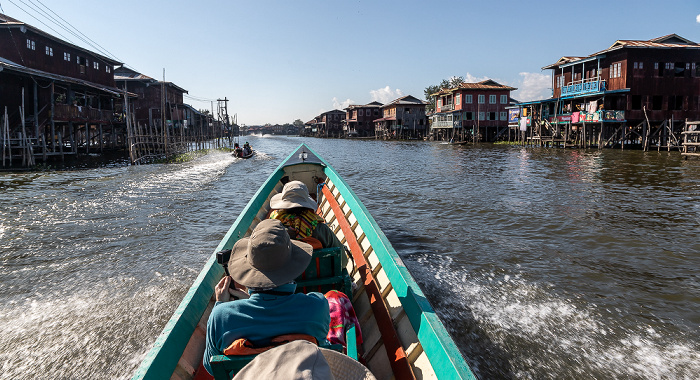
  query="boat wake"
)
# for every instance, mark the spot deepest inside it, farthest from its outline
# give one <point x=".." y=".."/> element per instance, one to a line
<point x="493" y="316"/>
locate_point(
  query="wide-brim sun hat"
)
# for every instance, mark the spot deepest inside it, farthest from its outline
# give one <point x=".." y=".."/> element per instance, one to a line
<point x="294" y="194"/>
<point x="303" y="360"/>
<point x="344" y="367"/>
<point x="268" y="258"/>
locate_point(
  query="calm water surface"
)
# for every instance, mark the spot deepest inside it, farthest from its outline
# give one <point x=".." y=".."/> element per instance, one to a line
<point x="543" y="264"/>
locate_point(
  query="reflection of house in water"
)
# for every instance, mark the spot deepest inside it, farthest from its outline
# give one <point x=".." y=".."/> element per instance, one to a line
<point x="634" y="92"/>
<point x="68" y="96"/>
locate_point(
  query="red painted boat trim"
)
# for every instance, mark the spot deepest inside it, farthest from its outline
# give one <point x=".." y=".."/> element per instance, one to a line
<point x="397" y="356"/>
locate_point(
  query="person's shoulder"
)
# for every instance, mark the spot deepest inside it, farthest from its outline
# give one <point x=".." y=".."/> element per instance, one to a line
<point x="229" y="306"/>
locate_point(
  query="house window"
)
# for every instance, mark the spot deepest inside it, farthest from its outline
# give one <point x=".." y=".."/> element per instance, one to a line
<point x="467" y="99"/>
<point x="679" y="69"/>
<point x="657" y="102"/>
<point x="615" y="69"/>
<point x="468" y="116"/>
<point x="458" y="99"/>
<point x="360" y="112"/>
<point x="481" y="114"/>
<point x="504" y="99"/>
<point x="66" y="57"/>
<point x="482" y="99"/>
<point x="492" y="99"/>
<point x="95" y="65"/>
<point x="636" y="65"/>
<point x="492" y="116"/>
<point x="108" y="69"/>
<point x="636" y="102"/>
<point x="504" y="116"/>
<point x="31" y="44"/>
<point x="696" y="68"/>
<point x="560" y="81"/>
<point x="49" y="51"/>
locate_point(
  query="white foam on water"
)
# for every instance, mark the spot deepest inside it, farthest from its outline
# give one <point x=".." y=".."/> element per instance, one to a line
<point x="88" y="335"/>
<point x="546" y="335"/>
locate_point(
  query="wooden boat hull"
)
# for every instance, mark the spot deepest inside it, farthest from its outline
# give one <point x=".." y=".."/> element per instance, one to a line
<point x="403" y="337"/>
<point x="244" y="156"/>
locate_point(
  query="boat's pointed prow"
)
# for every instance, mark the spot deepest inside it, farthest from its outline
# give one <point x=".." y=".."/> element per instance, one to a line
<point x="303" y="155"/>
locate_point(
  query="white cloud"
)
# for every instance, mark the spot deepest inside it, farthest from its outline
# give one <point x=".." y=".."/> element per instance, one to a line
<point x="385" y="95"/>
<point x="469" y="78"/>
<point x="697" y="19"/>
<point x="342" y="105"/>
<point x="533" y="86"/>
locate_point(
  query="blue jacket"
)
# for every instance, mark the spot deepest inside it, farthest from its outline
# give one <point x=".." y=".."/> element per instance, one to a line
<point x="263" y="317"/>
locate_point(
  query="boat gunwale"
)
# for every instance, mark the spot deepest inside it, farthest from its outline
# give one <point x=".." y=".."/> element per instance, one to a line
<point x="435" y="340"/>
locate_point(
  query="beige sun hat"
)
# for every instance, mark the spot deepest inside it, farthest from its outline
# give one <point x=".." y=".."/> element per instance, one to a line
<point x="303" y="360"/>
<point x="268" y="258"/>
<point x="294" y="194"/>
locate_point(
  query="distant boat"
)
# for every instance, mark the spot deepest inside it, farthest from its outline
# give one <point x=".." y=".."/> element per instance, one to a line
<point x="403" y="338"/>
<point x="241" y="155"/>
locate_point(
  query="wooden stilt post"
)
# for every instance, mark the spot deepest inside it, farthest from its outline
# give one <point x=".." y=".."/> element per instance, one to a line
<point x="53" y="124"/>
<point x="60" y="147"/>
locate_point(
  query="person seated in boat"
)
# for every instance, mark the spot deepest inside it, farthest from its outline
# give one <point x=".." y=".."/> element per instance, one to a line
<point x="266" y="264"/>
<point x="297" y="211"/>
<point x="247" y="150"/>
<point x="237" y="151"/>
<point x="303" y="360"/>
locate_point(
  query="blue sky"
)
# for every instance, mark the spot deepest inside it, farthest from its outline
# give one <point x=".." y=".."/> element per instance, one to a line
<point x="278" y="61"/>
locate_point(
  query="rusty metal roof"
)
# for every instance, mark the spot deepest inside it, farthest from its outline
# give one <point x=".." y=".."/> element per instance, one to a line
<point x="405" y="100"/>
<point x="10" y="66"/>
<point x="487" y="84"/>
<point x="123" y="73"/>
<point x="670" y="41"/>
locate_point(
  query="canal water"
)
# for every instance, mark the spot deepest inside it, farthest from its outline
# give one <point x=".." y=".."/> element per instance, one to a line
<point x="543" y="264"/>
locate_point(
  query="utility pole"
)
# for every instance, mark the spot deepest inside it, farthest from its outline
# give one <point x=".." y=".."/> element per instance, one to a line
<point x="224" y="115"/>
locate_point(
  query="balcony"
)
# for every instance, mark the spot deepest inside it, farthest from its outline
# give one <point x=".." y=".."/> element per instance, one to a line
<point x="583" y="88"/>
<point x="447" y="107"/>
<point x="595" y="117"/>
<point x="66" y="112"/>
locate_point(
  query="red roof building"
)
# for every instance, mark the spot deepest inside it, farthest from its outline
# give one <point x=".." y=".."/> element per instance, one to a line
<point x="471" y="111"/>
<point x="627" y="92"/>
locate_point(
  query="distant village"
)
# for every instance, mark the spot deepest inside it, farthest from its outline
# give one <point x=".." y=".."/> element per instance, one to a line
<point x="60" y="100"/>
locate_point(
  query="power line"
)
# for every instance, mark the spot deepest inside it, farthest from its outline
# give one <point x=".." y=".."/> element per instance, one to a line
<point x="79" y="35"/>
<point x="93" y="43"/>
<point x="200" y="99"/>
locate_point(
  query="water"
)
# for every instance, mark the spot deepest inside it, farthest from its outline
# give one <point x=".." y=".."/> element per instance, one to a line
<point x="543" y="264"/>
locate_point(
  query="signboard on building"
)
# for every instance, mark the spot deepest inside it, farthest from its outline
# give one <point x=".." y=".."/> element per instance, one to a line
<point x="513" y="115"/>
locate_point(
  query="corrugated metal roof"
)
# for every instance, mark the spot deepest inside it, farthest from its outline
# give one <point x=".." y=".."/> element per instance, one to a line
<point x="488" y="84"/>
<point x="671" y="41"/>
<point x="11" y="66"/>
<point x="406" y="100"/>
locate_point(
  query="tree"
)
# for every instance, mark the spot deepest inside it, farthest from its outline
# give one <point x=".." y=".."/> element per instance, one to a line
<point x="445" y="84"/>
